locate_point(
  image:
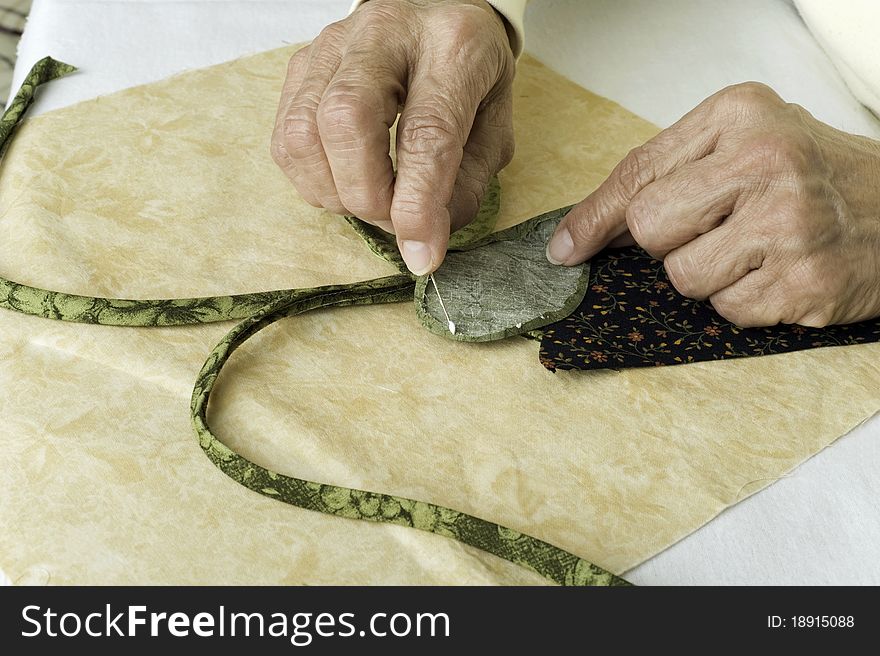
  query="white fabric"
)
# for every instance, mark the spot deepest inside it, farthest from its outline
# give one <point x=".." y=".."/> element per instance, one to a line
<point x="659" y="59"/>
<point x="849" y="32"/>
<point x="122" y="43"/>
<point x="821" y="524"/>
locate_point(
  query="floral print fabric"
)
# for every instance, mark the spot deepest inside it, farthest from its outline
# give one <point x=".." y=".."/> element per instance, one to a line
<point x="632" y="316"/>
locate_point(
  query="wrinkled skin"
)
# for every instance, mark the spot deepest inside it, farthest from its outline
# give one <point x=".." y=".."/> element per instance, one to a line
<point x="448" y="67"/>
<point x="751" y="202"/>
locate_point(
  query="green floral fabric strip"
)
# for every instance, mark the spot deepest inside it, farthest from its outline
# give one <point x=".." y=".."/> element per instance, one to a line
<point x="122" y="312"/>
<point x="384" y="244"/>
<point x="43" y="71"/>
<point x="258" y="311"/>
<point x="551" y="562"/>
<point x="111" y="311"/>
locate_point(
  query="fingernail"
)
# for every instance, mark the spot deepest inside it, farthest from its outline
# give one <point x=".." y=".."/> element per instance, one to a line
<point x="417" y="255"/>
<point x="560" y="247"/>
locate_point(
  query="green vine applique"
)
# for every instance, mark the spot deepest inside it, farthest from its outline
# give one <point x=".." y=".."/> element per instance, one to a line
<point x="257" y="311"/>
<point x="473" y="234"/>
<point x="111" y="311"/>
<point x="552" y="562"/>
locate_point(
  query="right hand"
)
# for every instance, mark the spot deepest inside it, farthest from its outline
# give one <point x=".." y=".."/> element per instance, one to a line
<point x="449" y="65"/>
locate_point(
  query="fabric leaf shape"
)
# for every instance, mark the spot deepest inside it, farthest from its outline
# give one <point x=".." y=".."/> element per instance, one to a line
<point x="502" y="286"/>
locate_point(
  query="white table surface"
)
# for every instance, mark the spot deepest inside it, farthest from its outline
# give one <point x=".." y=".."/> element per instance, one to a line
<point x="820" y="524"/>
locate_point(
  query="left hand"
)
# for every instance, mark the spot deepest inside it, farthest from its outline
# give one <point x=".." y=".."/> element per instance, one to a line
<point x="751" y="203"/>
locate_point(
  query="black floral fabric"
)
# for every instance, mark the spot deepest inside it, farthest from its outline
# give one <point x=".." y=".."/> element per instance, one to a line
<point x="632" y="316"/>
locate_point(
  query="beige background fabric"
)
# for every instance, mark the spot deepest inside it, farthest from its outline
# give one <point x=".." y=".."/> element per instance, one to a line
<point x="168" y="190"/>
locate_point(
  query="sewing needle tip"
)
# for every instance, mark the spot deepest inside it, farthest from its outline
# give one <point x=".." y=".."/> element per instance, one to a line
<point x="449" y="323"/>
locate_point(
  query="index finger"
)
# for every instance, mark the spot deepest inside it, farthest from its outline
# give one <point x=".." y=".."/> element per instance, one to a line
<point x="431" y="134"/>
<point x="601" y="216"/>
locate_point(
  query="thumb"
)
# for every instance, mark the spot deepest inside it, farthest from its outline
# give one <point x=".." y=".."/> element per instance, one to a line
<point x="601" y="217"/>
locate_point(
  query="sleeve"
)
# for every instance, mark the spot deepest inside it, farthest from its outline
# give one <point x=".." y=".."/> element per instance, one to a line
<point x="848" y="32"/>
<point x="512" y="10"/>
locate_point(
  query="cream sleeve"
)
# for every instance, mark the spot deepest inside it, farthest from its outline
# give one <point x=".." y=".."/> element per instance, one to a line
<point x="512" y="10"/>
<point x="850" y="34"/>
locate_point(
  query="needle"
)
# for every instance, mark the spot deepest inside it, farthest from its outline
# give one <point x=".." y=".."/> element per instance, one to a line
<point x="449" y="322"/>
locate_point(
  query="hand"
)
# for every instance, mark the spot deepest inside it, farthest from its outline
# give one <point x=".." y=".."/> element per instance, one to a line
<point x="450" y="66"/>
<point x="752" y="203"/>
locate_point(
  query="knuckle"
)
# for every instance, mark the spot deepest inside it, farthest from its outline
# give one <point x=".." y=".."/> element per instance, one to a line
<point x="297" y="63"/>
<point x="635" y="171"/>
<point x="382" y="13"/>
<point x="749" y="96"/>
<point x="301" y="135"/>
<point x="333" y="33"/>
<point x="642" y="220"/>
<point x="428" y="132"/>
<point x="798" y="113"/>
<point x="465" y="23"/>
<point x="681" y="270"/>
<point x="345" y="109"/>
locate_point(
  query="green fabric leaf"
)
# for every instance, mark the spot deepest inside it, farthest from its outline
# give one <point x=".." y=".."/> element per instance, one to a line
<point x="502" y="286"/>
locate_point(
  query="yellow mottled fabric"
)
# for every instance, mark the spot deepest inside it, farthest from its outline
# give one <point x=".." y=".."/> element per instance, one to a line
<point x="168" y="190"/>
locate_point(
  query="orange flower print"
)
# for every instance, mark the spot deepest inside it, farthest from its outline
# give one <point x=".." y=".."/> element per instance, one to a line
<point x="641" y="320"/>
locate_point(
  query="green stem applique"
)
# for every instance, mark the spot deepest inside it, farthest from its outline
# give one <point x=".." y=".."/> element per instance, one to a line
<point x="257" y="311"/>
